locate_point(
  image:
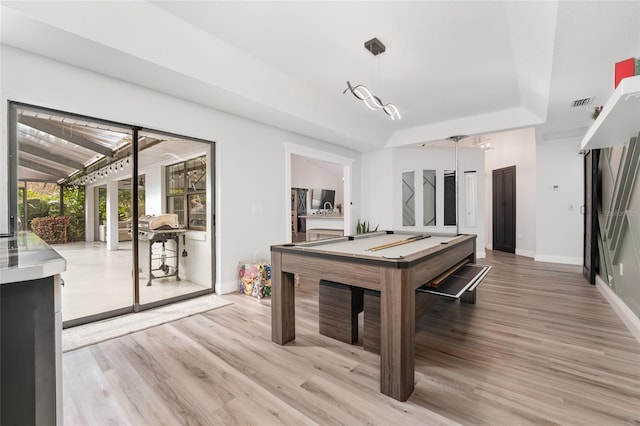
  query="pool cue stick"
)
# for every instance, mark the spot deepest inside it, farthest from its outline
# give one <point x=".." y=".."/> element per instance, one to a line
<point x="398" y="243"/>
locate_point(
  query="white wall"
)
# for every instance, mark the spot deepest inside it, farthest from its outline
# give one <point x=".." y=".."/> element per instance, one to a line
<point x="559" y="222"/>
<point x="376" y="198"/>
<point x="154" y="200"/>
<point x="516" y="147"/>
<point x="251" y="200"/>
<point x="382" y="187"/>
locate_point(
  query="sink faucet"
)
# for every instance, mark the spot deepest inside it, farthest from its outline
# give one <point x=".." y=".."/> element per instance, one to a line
<point x="325" y="205"/>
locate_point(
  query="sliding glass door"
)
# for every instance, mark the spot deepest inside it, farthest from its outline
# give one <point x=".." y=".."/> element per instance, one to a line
<point x="67" y="179"/>
<point x="175" y="234"/>
<point x="129" y="209"/>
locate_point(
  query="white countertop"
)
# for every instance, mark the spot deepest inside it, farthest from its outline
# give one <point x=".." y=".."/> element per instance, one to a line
<point x="324" y="221"/>
<point x="32" y="259"/>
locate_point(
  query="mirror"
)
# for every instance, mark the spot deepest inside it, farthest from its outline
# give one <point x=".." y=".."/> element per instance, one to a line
<point x="429" y="197"/>
<point x="320" y="198"/>
<point x="408" y="199"/>
<point x="449" y="197"/>
<point x="471" y="198"/>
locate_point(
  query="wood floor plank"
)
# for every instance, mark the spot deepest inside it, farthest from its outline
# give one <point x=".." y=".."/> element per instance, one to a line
<point x="541" y="346"/>
<point x="90" y="388"/>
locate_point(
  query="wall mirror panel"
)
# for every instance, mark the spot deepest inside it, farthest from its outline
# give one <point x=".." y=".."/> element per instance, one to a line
<point x="429" y="197"/>
<point x="408" y="199"/>
<point x="471" y="198"/>
<point x="449" y="197"/>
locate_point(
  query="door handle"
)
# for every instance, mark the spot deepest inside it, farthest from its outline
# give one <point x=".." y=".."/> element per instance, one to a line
<point x="583" y="209"/>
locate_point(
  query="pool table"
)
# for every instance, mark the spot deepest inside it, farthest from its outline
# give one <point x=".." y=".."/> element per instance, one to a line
<point x="395" y="272"/>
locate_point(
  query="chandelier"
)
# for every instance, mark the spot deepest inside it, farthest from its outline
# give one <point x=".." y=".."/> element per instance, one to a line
<point x="362" y="93"/>
<point x="371" y="101"/>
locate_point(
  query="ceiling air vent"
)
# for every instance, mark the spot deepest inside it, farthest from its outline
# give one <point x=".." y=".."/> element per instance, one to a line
<point x="581" y="102"/>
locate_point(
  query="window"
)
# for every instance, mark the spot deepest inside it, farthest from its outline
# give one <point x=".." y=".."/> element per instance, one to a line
<point x="187" y="192"/>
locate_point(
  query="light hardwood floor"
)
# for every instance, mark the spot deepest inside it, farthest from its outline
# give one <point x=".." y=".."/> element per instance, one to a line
<point x="541" y="346"/>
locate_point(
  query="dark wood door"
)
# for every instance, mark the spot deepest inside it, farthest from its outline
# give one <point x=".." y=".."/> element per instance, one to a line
<point x="590" y="254"/>
<point x="504" y="209"/>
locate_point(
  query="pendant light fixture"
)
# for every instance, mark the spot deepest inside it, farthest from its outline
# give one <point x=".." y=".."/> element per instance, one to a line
<point x="362" y="93"/>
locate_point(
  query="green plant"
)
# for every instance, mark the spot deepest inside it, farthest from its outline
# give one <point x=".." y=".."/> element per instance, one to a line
<point x="102" y="205"/>
<point x="74" y="198"/>
<point x="52" y="230"/>
<point x="37" y="207"/>
<point x="364" y="228"/>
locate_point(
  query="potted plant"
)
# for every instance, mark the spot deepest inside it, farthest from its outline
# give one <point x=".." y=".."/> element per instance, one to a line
<point x="363" y="227"/>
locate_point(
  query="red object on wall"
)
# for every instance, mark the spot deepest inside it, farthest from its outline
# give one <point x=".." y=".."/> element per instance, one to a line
<point x="627" y="68"/>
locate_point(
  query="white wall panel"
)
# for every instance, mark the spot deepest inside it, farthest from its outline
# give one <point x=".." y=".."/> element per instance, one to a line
<point x="250" y="161"/>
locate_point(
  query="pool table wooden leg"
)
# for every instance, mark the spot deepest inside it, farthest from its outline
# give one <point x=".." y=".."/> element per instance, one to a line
<point x="283" y="316"/>
<point x="397" y="334"/>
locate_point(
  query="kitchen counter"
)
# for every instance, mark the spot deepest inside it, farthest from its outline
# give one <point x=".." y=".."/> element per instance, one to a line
<point x="26" y="257"/>
<point x="324" y="221"/>
<point x="30" y="331"/>
<point x="327" y="225"/>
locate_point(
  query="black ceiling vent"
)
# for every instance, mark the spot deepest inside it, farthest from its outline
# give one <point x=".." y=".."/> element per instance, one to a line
<point x="374" y="46"/>
<point x="581" y="102"/>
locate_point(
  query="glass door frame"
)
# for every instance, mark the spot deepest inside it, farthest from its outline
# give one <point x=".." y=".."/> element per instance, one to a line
<point x="12" y="191"/>
<point x="139" y="305"/>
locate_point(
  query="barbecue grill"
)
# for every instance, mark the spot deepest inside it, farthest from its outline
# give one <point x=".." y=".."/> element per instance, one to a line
<point x="159" y="246"/>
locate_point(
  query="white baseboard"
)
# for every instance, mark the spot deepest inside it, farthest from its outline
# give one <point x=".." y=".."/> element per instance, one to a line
<point x="526" y="253"/>
<point x="481" y="254"/>
<point x="627" y="316"/>
<point x="227" y="287"/>
<point x="558" y="259"/>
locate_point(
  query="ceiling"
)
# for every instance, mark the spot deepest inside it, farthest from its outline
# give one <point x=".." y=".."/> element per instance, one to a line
<point x="53" y="148"/>
<point x="450" y="67"/>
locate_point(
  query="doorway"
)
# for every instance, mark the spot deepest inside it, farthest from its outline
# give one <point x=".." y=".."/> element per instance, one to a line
<point x="87" y="185"/>
<point x="504" y="209"/>
<point x="309" y="169"/>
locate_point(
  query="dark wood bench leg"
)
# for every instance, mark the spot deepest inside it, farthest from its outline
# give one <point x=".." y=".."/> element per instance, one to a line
<point x="339" y="306"/>
<point x="469" y="297"/>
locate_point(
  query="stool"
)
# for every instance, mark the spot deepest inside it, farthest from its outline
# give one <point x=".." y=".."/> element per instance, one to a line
<point x="371" y="328"/>
<point x="339" y="306"/>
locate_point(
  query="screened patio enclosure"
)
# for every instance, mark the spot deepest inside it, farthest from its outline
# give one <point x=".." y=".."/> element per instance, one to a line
<point x="98" y="177"/>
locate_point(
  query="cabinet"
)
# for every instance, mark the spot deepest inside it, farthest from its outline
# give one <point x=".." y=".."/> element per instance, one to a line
<point x="324" y="226"/>
<point x="30" y="337"/>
